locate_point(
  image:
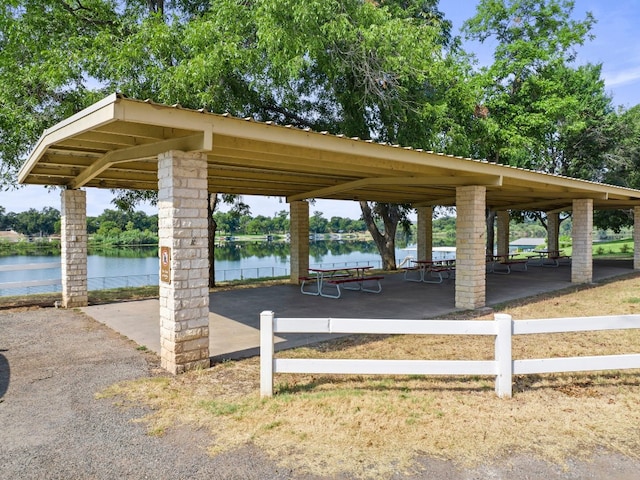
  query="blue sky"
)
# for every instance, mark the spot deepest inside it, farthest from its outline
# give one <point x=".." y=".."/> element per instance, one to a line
<point x="616" y="46"/>
<point x="616" y="43"/>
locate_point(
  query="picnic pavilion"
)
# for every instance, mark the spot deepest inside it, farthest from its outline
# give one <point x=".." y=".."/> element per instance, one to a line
<point x="185" y="154"/>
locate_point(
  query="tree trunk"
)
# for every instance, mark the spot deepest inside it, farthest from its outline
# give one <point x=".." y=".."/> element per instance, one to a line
<point x="385" y="241"/>
<point x="491" y="242"/>
<point x="212" y="226"/>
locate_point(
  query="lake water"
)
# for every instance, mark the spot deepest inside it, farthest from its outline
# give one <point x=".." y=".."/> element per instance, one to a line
<point x="234" y="261"/>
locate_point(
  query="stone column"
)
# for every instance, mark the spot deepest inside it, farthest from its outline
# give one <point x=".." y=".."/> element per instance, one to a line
<point x="425" y="233"/>
<point x="636" y="238"/>
<point x="553" y="231"/>
<point x="581" y="258"/>
<point x="74" y="249"/>
<point x="503" y="232"/>
<point x="299" y="246"/>
<point x="471" y="237"/>
<point x="184" y="261"/>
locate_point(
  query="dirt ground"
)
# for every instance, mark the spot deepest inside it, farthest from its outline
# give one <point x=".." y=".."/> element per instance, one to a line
<point x="53" y="362"/>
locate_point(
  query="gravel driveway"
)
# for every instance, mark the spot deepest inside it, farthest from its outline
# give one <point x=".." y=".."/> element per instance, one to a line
<point x="53" y="362"/>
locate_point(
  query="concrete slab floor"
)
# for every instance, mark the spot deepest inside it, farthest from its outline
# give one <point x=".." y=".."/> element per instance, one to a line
<point x="234" y="317"/>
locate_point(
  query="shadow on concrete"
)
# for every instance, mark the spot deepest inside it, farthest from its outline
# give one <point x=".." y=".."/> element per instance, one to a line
<point x="5" y="374"/>
<point x="234" y="319"/>
<point x="399" y="299"/>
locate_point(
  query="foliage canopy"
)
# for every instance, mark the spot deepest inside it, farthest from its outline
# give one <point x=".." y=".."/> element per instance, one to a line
<point x="389" y="70"/>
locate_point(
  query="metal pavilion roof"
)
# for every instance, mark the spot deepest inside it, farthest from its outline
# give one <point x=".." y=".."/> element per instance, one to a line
<point x="115" y="142"/>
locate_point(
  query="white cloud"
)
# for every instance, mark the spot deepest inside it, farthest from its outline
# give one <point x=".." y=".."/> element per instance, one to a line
<point x="622" y="77"/>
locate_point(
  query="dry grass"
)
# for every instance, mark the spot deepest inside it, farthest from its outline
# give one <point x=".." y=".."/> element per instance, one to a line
<point x="374" y="425"/>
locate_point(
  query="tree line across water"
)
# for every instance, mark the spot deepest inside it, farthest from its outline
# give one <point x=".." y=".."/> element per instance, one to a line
<point x="137" y="227"/>
<point x="120" y="228"/>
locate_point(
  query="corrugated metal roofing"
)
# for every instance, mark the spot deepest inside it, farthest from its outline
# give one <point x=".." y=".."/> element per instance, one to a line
<point x="115" y="143"/>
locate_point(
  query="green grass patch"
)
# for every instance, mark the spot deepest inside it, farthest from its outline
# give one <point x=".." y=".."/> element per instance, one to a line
<point x="612" y="249"/>
<point x="221" y="408"/>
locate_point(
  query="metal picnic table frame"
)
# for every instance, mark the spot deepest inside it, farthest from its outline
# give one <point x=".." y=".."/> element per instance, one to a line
<point x="340" y="278"/>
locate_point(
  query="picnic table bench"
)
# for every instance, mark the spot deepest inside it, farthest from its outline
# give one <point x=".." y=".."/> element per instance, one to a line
<point x="342" y="278"/>
<point x="361" y="284"/>
<point x="506" y="261"/>
<point x="437" y="270"/>
<point x="549" y="258"/>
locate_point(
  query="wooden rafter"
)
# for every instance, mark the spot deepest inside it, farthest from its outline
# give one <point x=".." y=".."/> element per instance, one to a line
<point x="150" y="150"/>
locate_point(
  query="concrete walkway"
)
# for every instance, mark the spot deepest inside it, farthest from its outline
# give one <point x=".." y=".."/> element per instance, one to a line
<point x="234" y="316"/>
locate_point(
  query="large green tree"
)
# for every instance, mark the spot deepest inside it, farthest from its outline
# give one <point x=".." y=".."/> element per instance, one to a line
<point x="527" y="91"/>
<point x="42" y="79"/>
<point x="366" y="70"/>
<point x="540" y="110"/>
<point x="384" y="70"/>
<point x="624" y="167"/>
<point x="36" y="223"/>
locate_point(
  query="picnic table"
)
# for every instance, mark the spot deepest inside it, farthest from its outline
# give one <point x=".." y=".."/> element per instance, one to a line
<point x="430" y="271"/>
<point x="504" y="262"/>
<point x="329" y="282"/>
<point x="548" y="258"/>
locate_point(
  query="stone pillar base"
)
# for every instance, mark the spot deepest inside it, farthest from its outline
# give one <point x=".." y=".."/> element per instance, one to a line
<point x="503" y="232"/>
<point x="471" y="238"/>
<point x="184" y="261"/>
<point x="553" y="231"/>
<point x="299" y="232"/>
<point x="425" y="233"/>
<point x="582" y="255"/>
<point x="74" y="249"/>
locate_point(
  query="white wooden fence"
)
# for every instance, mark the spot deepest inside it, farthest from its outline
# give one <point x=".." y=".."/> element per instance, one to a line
<point x="503" y="367"/>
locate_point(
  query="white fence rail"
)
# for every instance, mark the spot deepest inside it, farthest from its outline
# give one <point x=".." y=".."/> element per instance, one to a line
<point x="503" y="367"/>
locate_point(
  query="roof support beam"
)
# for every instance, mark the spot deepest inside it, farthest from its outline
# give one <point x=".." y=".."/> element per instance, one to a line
<point x="560" y="210"/>
<point x="438" y="202"/>
<point x="191" y="143"/>
<point x="489" y="180"/>
<point x="539" y="206"/>
<point x="553" y="202"/>
<point x="553" y="195"/>
<point x="613" y="205"/>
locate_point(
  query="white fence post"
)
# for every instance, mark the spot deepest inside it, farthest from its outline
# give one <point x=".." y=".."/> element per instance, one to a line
<point x="503" y="354"/>
<point x="266" y="353"/>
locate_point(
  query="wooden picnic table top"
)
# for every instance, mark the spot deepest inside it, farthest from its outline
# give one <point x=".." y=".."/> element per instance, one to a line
<point x="503" y="256"/>
<point x="443" y="261"/>
<point x="547" y="252"/>
<point x="340" y="269"/>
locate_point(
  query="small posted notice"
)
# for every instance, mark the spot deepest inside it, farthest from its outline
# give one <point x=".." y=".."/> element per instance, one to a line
<point x="165" y="264"/>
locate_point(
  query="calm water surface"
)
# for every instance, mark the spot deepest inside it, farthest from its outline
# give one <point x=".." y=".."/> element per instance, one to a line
<point x="126" y="267"/>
